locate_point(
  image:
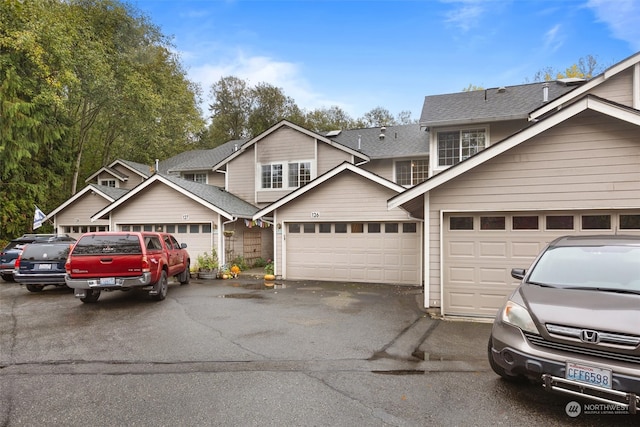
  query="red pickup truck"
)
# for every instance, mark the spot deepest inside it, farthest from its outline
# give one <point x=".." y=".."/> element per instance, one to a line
<point x="108" y="261"/>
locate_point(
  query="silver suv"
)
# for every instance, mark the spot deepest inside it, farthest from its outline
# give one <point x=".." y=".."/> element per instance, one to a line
<point x="573" y="323"/>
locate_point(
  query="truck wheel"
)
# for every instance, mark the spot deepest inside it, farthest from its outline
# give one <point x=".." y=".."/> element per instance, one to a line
<point x="185" y="275"/>
<point x="35" y="288"/>
<point x="161" y="287"/>
<point x="8" y="278"/>
<point x="91" y="296"/>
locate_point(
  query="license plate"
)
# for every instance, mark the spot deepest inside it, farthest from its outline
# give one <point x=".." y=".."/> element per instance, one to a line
<point x="589" y="374"/>
<point x="44" y="266"/>
<point x="107" y="281"/>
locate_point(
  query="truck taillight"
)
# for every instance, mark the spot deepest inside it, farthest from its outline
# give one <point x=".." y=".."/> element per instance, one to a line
<point x="145" y="264"/>
<point x="17" y="264"/>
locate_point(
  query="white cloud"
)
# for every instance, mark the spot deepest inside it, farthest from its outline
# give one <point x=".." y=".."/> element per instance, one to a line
<point x="621" y="16"/>
<point x="553" y="38"/>
<point x="466" y="15"/>
<point x="262" y="69"/>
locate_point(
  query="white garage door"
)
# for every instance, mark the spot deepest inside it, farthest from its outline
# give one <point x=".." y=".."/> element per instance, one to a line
<point x="480" y="249"/>
<point x="356" y="252"/>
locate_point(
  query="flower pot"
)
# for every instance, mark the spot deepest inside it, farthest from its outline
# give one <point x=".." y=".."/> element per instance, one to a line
<point x="208" y="274"/>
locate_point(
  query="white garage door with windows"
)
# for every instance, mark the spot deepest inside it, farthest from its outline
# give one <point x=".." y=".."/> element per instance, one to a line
<point x="372" y="252"/>
<point x="480" y="249"/>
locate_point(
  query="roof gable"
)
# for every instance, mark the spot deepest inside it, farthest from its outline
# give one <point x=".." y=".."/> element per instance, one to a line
<point x="137" y="168"/>
<point x="569" y="97"/>
<point x="108" y="193"/>
<point x="589" y="102"/>
<point x="285" y="123"/>
<point x="214" y="198"/>
<point x="345" y="166"/>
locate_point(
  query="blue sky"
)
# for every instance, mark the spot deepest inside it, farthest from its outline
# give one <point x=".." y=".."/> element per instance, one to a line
<point x="361" y="54"/>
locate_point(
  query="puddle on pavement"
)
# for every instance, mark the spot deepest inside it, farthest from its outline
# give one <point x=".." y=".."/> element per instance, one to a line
<point x="257" y="286"/>
<point x="400" y="372"/>
<point x="242" y="296"/>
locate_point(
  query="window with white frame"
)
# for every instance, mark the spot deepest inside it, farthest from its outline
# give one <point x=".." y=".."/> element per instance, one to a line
<point x="299" y="174"/>
<point x="456" y="146"/>
<point x="108" y="182"/>
<point x="197" y="177"/>
<point x="271" y="176"/>
<point x="412" y="172"/>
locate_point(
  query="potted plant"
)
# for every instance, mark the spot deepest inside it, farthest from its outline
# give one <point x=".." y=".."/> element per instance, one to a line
<point x="208" y="265"/>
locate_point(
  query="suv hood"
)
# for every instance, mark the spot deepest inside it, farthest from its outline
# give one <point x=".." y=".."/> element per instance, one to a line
<point x="590" y="309"/>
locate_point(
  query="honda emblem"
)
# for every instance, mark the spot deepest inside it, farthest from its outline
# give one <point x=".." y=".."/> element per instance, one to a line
<point x="587" y="335"/>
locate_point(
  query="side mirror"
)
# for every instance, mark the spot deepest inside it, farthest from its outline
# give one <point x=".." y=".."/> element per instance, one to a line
<point x="183" y="245"/>
<point x="518" y="273"/>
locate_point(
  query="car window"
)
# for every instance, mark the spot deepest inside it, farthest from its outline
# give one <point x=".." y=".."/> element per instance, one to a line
<point x="108" y="245"/>
<point x="615" y="267"/>
<point x="46" y="252"/>
<point x="167" y="241"/>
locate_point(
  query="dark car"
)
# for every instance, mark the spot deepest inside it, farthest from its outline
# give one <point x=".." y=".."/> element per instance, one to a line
<point x="41" y="263"/>
<point x="13" y="249"/>
<point x="573" y="323"/>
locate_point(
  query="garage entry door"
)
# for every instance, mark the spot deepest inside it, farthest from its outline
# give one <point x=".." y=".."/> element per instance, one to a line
<point x="354" y="252"/>
<point x="480" y="249"/>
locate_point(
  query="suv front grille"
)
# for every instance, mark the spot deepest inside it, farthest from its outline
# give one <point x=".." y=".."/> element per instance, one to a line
<point x="605" y="353"/>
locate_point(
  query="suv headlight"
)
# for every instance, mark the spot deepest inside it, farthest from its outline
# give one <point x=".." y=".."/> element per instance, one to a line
<point x="518" y="316"/>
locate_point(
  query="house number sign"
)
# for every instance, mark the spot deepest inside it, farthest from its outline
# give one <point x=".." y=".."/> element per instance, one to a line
<point x="315" y="214"/>
<point x="185" y="217"/>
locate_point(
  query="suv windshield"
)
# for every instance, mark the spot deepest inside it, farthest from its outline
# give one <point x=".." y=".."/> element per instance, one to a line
<point x="108" y="245"/>
<point x="41" y="251"/>
<point x="597" y="267"/>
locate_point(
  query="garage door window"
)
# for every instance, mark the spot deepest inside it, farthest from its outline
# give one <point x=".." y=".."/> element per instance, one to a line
<point x="461" y="223"/>
<point x="357" y="227"/>
<point x="525" y="222"/>
<point x="294" y="228"/>
<point x="309" y="228"/>
<point x="596" y="222"/>
<point x="560" y="222"/>
<point x="324" y="228"/>
<point x="492" y="223"/>
<point x="373" y="227"/>
<point x="341" y="227"/>
<point x="409" y="227"/>
<point x="630" y="222"/>
<point x="391" y="227"/>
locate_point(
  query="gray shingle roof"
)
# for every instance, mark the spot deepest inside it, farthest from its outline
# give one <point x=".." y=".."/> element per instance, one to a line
<point x="199" y="160"/>
<point x="510" y="102"/>
<point x="215" y="196"/>
<point x="143" y="169"/>
<point x="113" y="192"/>
<point x="398" y="141"/>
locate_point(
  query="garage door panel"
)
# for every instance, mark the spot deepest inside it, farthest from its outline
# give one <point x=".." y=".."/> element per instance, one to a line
<point x="364" y="257"/>
<point x="493" y="275"/>
<point x="526" y="249"/>
<point x="492" y="249"/>
<point x="461" y="249"/>
<point x="462" y="274"/>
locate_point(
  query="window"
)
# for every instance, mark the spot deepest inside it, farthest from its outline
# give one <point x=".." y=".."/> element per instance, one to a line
<point x="171" y="228"/>
<point x="373" y="227"/>
<point x="108" y="182"/>
<point x="324" y="227"/>
<point x="357" y="227"/>
<point x="197" y="177"/>
<point x="560" y="222"/>
<point x="525" y="222"/>
<point x="294" y="228"/>
<point x="409" y="227"/>
<point x="182" y="228"/>
<point x="461" y="223"/>
<point x="596" y="222"/>
<point x="309" y="227"/>
<point x="299" y="174"/>
<point x="341" y="227"/>
<point x="391" y="227"/>
<point x="630" y="222"/>
<point x="411" y="172"/>
<point x="272" y="176"/>
<point x="456" y="146"/>
<point x="194" y="228"/>
<point x="492" y="223"/>
<point x="206" y="228"/>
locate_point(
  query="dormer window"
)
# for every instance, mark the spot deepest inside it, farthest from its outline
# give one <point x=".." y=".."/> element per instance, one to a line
<point x="196" y="177"/>
<point x="108" y="182"/>
<point x="456" y="146"/>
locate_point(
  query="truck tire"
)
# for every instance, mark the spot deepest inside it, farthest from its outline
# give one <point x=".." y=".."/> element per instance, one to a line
<point x="35" y="288"/>
<point x="91" y="296"/>
<point x="184" y="277"/>
<point x="161" y="287"/>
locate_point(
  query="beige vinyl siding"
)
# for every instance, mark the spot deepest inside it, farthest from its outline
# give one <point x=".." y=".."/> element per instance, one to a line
<point x="588" y="162"/>
<point x="215" y="178"/>
<point x="285" y="144"/>
<point x="241" y="176"/>
<point x="617" y="88"/>
<point x="134" y="178"/>
<point x="500" y="130"/>
<point x="384" y="168"/>
<point x="80" y="212"/>
<point x="329" y="157"/>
